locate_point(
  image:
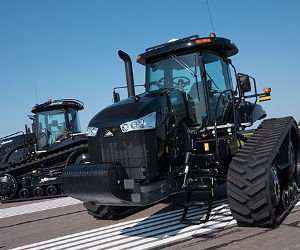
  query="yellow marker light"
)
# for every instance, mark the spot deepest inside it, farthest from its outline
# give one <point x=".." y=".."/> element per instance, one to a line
<point x="264" y="98"/>
<point x="204" y="40"/>
<point x="167" y="149"/>
<point x="206" y="146"/>
<point x="34" y="171"/>
<point x="212" y="192"/>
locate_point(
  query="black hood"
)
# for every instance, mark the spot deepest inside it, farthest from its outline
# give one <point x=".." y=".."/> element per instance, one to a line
<point x="129" y="109"/>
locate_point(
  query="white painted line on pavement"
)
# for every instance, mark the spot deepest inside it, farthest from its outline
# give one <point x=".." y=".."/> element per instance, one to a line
<point x="142" y="233"/>
<point x="36" y="207"/>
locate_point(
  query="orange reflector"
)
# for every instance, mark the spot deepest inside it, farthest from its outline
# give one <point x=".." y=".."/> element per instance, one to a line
<point x="70" y="103"/>
<point x="212" y="34"/>
<point x="267" y="90"/>
<point x="204" y="40"/>
<point x="264" y="98"/>
<point x="138" y="58"/>
<point x="34" y="108"/>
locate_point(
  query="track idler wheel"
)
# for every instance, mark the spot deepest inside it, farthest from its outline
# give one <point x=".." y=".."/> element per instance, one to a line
<point x="51" y="190"/>
<point x="38" y="192"/>
<point x="24" y="193"/>
<point x="8" y="187"/>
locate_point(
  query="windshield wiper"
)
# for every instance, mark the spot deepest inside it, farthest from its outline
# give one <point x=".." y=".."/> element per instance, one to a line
<point x="183" y="64"/>
<point x="213" y="81"/>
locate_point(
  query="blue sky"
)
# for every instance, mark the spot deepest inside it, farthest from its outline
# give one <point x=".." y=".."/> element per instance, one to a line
<point x="69" y="48"/>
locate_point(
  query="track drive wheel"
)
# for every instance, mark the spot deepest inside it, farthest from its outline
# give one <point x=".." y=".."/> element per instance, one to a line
<point x="106" y="212"/>
<point x="8" y="187"/>
<point x="262" y="176"/>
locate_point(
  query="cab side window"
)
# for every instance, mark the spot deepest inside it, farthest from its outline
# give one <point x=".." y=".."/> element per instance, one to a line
<point x="177" y="102"/>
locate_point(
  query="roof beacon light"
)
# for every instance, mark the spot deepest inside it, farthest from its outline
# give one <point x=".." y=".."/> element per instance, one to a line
<point x="49" y="100"/>
<point x="212" y="34"/>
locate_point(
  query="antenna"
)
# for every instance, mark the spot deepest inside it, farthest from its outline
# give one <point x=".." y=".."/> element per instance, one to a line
<point x="36" y="95"/>
<point x="211" y="20"/>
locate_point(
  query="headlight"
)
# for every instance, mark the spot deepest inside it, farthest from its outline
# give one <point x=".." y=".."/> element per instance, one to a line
<point x="143" y="123"/>
<point x="91" y="131"/>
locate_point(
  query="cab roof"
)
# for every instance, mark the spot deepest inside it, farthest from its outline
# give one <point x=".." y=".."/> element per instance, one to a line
<point x="193" y="43"/>
<point x="58" y="104"/>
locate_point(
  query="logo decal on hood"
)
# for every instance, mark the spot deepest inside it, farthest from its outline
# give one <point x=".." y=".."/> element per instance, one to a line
<point x="108" y="134"/>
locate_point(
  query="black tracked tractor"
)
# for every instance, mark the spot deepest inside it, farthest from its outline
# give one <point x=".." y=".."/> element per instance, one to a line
<point x="185" y="133"/>
<point x="31" y="163"/>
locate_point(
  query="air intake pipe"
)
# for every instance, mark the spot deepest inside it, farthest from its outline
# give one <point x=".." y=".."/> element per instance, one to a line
<point x="129" y="74"/>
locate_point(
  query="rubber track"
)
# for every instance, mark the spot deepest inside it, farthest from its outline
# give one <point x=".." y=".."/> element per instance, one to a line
<point x="32" y="164"/>
<point x="109" y="212"/>
<point x="248" y="174"/>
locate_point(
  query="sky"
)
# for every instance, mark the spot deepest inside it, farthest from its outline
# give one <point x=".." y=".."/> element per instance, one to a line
<point x="68" y="48"/>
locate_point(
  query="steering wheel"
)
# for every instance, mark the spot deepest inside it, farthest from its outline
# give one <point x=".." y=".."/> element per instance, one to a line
<point x="181" y="83"/>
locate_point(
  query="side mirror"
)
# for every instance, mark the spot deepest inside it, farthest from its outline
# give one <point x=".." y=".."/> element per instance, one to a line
<point x="31" y="117"/>
<point x="244" y="83"/>
<point x="116" y="97"/>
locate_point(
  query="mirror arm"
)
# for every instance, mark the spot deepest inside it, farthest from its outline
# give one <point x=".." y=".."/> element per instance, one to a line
<point x="238" y="84"/>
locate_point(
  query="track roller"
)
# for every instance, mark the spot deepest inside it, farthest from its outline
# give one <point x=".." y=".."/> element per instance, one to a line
<point x="24" y="193"/>
<point x="38" y="192"/>
<point x="51" y="190"/>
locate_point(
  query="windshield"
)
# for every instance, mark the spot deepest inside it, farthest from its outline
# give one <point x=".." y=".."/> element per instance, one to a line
<point x="182" y="72"/>
<point x="51" y="125"/>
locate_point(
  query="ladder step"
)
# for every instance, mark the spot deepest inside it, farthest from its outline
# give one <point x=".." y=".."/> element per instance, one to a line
<point x="198" y="187"/>
<point x="193" y="222"/>
<point x="203" y="171"/>
<point x="205" y="155"/>
<point x="195" y="204"/>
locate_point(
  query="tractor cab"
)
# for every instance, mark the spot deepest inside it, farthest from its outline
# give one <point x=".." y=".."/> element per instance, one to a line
<point x="200" y="68"/>
<point x="55" y="120"/>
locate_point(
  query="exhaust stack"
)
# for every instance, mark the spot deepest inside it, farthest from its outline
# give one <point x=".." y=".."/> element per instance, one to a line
<point x="129" y="74"/>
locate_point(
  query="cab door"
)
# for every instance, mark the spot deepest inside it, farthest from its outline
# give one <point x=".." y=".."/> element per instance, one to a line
<point x="218" y="88"/>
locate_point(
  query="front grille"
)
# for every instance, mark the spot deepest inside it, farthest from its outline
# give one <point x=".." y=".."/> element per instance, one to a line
<point x="135" y="151"/>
